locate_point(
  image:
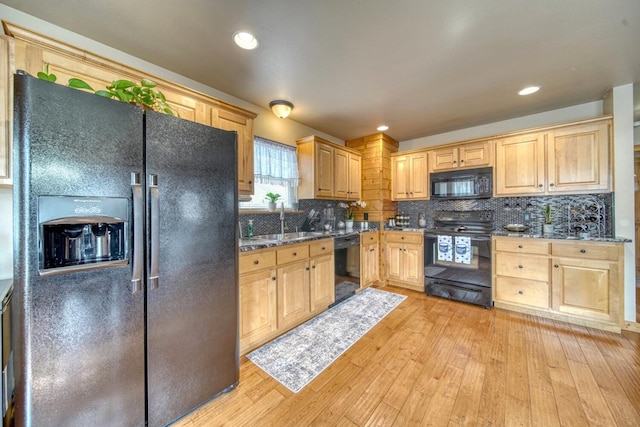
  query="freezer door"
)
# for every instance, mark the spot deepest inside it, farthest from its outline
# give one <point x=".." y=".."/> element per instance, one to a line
<point x="192" y="293"/>
<point x="79" y="341"/>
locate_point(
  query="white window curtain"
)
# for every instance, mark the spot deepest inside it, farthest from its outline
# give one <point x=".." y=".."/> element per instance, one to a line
<point x="274" y="163"/>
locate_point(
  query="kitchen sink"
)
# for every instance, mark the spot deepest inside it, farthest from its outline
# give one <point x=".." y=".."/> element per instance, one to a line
<point x="287" y="236"/>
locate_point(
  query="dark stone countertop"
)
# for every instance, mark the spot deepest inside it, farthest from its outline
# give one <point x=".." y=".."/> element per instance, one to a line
<point x="258" y="243"/>
<point x="563" y="236"/>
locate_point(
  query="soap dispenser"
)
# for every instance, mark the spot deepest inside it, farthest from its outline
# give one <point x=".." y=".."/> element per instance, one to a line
<point x="250" y="229"/>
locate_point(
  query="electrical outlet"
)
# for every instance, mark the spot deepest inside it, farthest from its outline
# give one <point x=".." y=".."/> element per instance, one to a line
<point x="526" y="217"/>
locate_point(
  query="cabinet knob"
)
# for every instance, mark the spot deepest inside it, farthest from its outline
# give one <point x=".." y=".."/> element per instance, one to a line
<point x="371" y="250"/>
<point x="520" y="246"/>
<point x="402" y="238"/>
<point x="295" y="254"/>
<point x="454" y="162"/>
<point x="250" y="182"/>
<point x="273" y="278"/>
<point x="324" y="249"/>
<point x="461" y="161"/>
<point x="583" y="251"/>
<point x="256" y="262"/>
<point x="551" y="185"/>
<point x="307" y="268"/>
<point x="540" y="185"/>
<point x="521" y="292"/>
<point x="556" y="266"/>
<point x="313" y="266"/>
<point x="520" y="266"/>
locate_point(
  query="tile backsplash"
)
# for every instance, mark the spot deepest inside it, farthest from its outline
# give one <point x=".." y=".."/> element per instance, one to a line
<point x="570" y="213"/>
<point x="588" y="212"/>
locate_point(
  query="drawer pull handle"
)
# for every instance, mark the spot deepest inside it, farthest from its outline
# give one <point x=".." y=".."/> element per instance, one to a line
<point x="556" y="266"/>
<point x="583" y="251"/>
<point x="273" y="278"/>
<point x="324" y="249"/>
<point x="295" y="254"/>
<point x="313" y="266"/>
<point x="520" y="266"/>
<point x="520" y="246"/>
<point x="256" y="262"/>
<point x="307" y="268"/>
<point x="521" y="292"/>
<point x="372" y="249"/>
<point x="402" y="238"/>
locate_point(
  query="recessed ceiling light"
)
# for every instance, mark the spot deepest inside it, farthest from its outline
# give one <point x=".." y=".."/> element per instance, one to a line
<point x="529" y="90"/>
<point x="383" y="128"/>
<point x="245" y="40"/>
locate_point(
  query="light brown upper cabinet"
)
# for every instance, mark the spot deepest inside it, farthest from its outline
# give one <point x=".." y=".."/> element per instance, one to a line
<point x="410" y="176"/>
<point x="34" y="51"/>
<point x="6" y="108"/>
<point x="562" y="160"/>
<point x="327" y="170"/>
<point x="476" y="154"/>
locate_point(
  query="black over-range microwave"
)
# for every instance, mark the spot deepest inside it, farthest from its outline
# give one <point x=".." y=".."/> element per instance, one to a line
<point x="462" y="184"/>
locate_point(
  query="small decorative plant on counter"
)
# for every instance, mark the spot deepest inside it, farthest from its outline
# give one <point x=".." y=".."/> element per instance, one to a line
<point x="350" y="215"/>
<point x="143" y="94"/>
<point x="273" y="198"/>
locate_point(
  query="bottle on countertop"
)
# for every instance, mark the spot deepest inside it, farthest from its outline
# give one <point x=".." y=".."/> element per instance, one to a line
<point x="250" y="229"/>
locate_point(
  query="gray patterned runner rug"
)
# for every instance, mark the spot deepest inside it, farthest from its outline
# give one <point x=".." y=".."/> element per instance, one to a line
<point x="297" y="357"/>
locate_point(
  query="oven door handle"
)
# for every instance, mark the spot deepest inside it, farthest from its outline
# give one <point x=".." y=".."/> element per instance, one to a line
<point x="474" y="238"/>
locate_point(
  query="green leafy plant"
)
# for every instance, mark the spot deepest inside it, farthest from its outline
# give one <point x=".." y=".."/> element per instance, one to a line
<point x="272" y="197"/>
<point x="547" y="214"/>
<point x="143" y="94"/>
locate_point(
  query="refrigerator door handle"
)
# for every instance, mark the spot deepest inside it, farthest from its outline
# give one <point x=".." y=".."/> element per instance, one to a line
<point x="154" y="231"/>
<point x="138" y="217"/>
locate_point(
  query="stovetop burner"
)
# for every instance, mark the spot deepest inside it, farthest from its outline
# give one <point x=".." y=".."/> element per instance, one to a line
<point x="463" y="222"/>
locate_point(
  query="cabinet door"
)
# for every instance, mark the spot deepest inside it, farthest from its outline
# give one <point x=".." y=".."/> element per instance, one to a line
<point x="227" y="120"/>
<point x="400" y="177"/>
<point x="444" y="158"/>
<point x="413" y="264"/>
<point x="395" y="259"/>
<point x="341" y="174"/>
<point x="474" y="154"/>
<point x="586" y="288"/>
<point x="323" y="170"/>
<point x="418" y="176"/>
<point x="6" y="108"/>
<point x="369" y="270"/>
<point x="321" y="286"/>
<point x="578" y="158"/>
<point x="293" y="293"/>
<point x="520" y="165"/>
<point x="258" y="317"/>
<point x="355" y="176"/>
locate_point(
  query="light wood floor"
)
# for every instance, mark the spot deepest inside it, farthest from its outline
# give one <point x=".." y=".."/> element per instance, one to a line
<point x="437" y="362"/>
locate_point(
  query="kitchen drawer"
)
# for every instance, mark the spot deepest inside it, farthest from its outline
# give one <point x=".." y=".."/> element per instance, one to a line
<point x="404" y="237"/>
<point x="320" y="247"/>
<point x="523" y="266"/>
<point x="590" y="250"/>
<point x="257" y="260"/>
<point x="522" y="291"/>
<point x="370" y="237"/>
<point x="292" y="253"/>
<point x="527" y="246"/>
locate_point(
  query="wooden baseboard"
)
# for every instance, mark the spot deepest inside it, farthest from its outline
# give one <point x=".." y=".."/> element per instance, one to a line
<point x="632" y="327"/>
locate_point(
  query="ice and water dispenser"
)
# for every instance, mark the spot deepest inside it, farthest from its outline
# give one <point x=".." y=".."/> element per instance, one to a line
<point x="82" y="233"/>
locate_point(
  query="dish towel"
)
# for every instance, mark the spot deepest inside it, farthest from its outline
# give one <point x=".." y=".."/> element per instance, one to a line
<point x="445" y="248"/>
<point x="463" y="250"/>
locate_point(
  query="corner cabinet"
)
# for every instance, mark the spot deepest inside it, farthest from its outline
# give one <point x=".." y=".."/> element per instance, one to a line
<point x="569" y="159"/>
<point x="410" y="176"/>
<point x="404" y="259"/>
<point x="328" y="170"/>
<point x="572" y="281"/>
<point x="282" y="287"/>
<point x="34" y="51"/>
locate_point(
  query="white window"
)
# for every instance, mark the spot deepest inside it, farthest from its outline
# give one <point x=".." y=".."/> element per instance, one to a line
<point x="275" y="171"/>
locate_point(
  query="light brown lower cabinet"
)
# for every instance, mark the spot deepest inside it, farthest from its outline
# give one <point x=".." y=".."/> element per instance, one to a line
<point x="577" y="282"/>
<point x="282" y="287"/>
<point x="404" y="259"/>
<point x="369" y="258"/>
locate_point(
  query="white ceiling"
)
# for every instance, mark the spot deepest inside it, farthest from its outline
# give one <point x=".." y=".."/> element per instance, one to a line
<point x="422" y="67"/>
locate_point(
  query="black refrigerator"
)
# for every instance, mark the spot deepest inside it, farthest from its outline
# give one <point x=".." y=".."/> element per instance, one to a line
<point x="125" y="309"/>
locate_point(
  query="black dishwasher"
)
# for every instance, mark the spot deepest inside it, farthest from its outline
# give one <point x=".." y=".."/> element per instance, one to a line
<point x="347" y="265"/>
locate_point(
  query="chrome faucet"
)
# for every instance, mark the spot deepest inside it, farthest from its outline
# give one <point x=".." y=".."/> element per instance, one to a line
<point x="283" y="224"/>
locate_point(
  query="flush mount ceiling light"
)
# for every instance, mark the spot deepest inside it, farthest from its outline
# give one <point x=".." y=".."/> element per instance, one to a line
<point x="245" y="40"/>
<point x="529" y="90"/>
<point x="382" y="128"/>
<point x="281" y="108"/>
